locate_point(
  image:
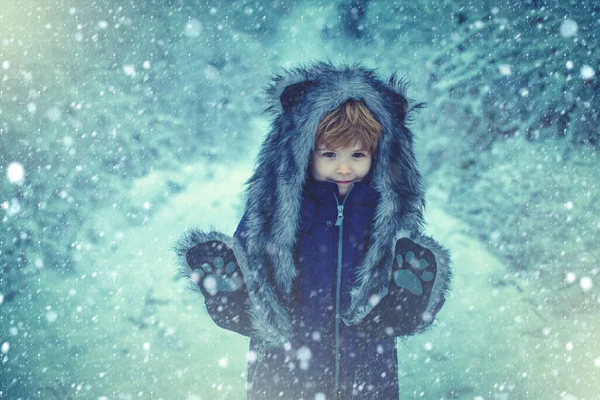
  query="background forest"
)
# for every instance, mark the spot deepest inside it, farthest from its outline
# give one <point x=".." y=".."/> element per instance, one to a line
<point x="124" y="123"/>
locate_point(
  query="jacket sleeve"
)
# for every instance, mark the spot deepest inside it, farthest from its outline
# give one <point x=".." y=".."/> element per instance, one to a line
<point x="420" y="282"/>
<point x="212" y="262"/>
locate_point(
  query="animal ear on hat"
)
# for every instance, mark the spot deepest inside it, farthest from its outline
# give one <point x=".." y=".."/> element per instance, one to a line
<point x="400" y="105"/>
<point x="293" y="93"/>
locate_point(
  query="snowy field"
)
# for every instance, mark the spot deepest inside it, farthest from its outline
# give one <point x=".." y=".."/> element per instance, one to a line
<point x="121" y="126"/>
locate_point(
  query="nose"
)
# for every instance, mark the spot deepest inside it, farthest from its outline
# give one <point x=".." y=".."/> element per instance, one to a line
<point x="344" y="169"/>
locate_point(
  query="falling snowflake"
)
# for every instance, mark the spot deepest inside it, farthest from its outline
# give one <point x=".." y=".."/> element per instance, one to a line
<point x="54" y="114"/>
<point x="505" y="70"/>
<point x="51" y="316"/>
<point x="223" y="362"/>
<point x="193" y="28"/>
<point x="374" y="300"/>
<point x="211" y="72"/>
<point x="568" y="28"/>
<point x="129" y="70"/>
<point x="587" y="72"/>
<point x="586" y="283"/>
<point x="15" y="173"/>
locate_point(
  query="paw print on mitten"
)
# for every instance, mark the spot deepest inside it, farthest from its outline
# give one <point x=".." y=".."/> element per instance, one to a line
<point x="214" y="267"/>
<point x="415" y="268"/>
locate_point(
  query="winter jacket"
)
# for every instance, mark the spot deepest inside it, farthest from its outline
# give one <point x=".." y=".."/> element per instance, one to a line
<point x="318" y="279"/>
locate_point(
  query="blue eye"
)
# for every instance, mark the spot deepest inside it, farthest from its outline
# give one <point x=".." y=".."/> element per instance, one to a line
<point x="359" y="155"/>
<point x="329" y="154"/>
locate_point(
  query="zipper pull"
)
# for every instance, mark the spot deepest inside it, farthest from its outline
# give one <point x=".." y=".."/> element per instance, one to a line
<point x="340" y="215"/>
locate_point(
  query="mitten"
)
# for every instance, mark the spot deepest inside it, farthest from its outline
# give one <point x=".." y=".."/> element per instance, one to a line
<point x="214" y="268"/>
<point x="418" y="285"/>
<point x="212" y="263"/>
<point x="413" y="276"/>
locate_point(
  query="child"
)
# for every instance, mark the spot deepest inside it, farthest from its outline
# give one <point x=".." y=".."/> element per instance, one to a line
<point x="328" y="264"/>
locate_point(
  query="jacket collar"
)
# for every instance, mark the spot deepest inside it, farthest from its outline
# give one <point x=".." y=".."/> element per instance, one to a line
<point x="362" y="193"/>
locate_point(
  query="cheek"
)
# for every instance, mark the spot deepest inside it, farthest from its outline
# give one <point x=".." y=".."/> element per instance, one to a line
<point x="315" y="168"/>
<point x="366" y="168"/>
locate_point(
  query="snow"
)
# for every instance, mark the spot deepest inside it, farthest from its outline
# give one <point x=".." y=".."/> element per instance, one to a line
<point x="15" y="173"/>
<point x="587" y="72"/>
<point x="54" y="114"/>
<point x="193" y="28"/>
<point x="13" y="208"/>
<point x="586" y="283"/>
<point x="129" y="70"/>
<point x="505" y="69"/>
<point x="223" y="362"/>
<point x="51" y="316"/>
<point x="304" y="355"/>
<point x="568" y="28"/>
<point x="374" y="300"/>
<point x="72" y="230"/>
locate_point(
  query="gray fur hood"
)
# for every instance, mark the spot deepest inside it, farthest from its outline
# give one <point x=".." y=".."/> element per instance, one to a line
<point x="299" y="99"/>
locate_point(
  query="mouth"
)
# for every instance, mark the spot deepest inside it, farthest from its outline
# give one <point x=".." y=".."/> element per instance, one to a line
<point x="343" y="181"/>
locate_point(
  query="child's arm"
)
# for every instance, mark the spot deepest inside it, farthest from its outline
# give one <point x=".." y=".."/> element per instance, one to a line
<point x="418" y="287"/>
<point x="212" y="263"/>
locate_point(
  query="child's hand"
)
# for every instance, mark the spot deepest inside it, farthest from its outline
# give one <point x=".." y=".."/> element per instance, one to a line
<point x="415" y="268"/>
<point x="214" y="267"/>
<point x="404" y="310"/>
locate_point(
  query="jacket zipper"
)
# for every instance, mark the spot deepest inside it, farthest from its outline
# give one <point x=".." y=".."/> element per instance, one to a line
<point x="338" y="288"/>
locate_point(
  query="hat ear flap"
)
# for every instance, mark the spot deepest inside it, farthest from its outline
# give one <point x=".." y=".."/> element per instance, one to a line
<point x="293" y="93"/>
<point x="400" y="105"/>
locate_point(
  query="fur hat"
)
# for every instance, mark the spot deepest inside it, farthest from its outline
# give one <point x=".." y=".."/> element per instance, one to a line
<point x="299" y="99"/>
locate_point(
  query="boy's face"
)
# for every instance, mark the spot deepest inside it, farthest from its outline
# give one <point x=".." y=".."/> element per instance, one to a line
<point x="342" y="166"/>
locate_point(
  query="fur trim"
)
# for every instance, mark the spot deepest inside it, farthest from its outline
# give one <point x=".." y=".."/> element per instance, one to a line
<point x="274" y="191"/>
<point x="270" y="321"/>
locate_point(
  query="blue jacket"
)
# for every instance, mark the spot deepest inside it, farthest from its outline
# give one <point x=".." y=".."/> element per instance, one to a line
<point x="328" y="353"/>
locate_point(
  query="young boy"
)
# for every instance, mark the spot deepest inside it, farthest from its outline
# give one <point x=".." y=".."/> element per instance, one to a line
<point x="328" y="265"/>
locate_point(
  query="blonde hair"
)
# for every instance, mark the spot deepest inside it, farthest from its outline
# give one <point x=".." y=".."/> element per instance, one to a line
<point x="350" y="123"/>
